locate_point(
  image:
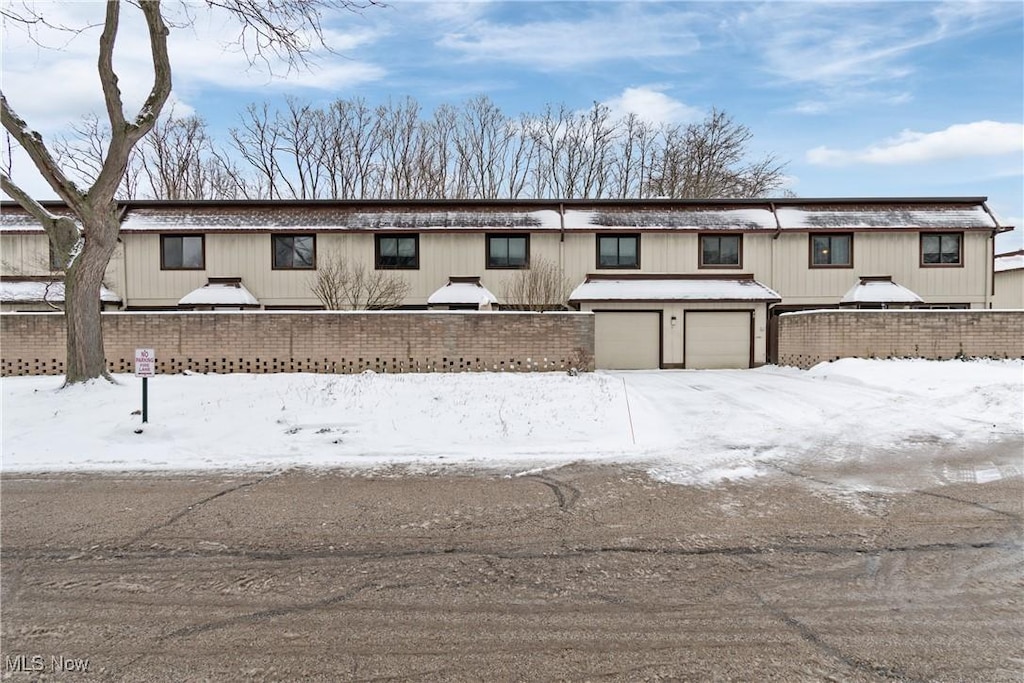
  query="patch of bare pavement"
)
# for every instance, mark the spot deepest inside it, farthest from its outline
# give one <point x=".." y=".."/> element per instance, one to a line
<point x="576" y="573"/>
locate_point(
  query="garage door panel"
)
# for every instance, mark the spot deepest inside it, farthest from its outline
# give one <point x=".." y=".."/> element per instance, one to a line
<point x="627" y="340"/>
<point x="717" y="340"/>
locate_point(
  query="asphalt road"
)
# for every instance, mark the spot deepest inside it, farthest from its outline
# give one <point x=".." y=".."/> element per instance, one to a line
<point x="577" y="573"/>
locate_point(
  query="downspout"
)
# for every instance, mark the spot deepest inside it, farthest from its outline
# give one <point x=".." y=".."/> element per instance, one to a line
<point x="778" y="231"/>
<point x="561" y="241"/>
<point x="990" y="275"/>
<point x="124" y="256"/>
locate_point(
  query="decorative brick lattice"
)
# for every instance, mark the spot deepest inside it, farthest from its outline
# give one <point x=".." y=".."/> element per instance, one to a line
<point x="266" y="342"/>
<point x="809" y="338"/>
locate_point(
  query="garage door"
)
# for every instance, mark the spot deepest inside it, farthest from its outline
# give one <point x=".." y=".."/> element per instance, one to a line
<point x="717" y="339"/>
<point x="627" y="340"/>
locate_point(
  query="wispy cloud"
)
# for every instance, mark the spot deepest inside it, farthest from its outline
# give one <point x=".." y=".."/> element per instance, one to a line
<point x="960" y="141"/>
<point x="857" y="51"/>
<point x="51" y="88"/>
<point x="598" y="33"/>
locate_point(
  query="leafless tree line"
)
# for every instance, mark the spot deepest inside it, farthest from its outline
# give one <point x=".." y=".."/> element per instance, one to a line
<point x="351" y="150"/>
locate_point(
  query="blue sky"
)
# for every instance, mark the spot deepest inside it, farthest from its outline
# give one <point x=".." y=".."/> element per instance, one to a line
<point x="861" y="98"/>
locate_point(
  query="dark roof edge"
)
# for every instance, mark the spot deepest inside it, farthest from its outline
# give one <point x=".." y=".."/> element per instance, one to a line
<point x="534" y="203"/>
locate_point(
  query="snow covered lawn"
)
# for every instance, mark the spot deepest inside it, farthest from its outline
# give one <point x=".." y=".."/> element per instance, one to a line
<point x="686" y="426"/>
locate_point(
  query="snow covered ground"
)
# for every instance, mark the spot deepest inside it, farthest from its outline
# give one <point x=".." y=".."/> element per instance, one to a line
<point x="682" y="426"/>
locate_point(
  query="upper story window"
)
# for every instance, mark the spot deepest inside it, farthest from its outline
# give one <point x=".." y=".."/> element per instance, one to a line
<point x="294" y="252"/>
<point x="834" y="251"/>
<point x="618" y="251"/>
<point x="397" y="252"/>
<point x="942" y="249"/>
<point x="508" y="251"/>
<point x="721" y="251"/>
<point x="182" y="252"/>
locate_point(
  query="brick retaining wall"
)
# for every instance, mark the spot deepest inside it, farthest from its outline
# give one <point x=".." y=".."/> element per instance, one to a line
<point x="809" y="338"/>
<point x="334" y="342"/>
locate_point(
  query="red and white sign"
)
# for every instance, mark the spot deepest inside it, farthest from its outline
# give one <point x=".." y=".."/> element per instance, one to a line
<point x="145" y="363"/>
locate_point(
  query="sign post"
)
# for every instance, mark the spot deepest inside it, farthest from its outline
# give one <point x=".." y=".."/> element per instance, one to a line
<point x="145" y="367"/>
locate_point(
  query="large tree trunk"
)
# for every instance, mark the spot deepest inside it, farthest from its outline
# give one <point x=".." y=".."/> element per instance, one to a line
<point x="82" y="284"/>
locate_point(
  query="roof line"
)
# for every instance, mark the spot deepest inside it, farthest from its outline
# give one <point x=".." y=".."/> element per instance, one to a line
<point x="553" y="204"/>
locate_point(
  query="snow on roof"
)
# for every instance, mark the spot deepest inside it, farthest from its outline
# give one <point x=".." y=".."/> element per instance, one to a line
<point x="1012" y="261"/>
<point x="536" y="216"/>
<point x="25" y="291"/>
<point x="812" y="217"/>
<point x="879" y="290"/>
<point x="673" y="289"/>
<point x="462" y="292"/>
<point x="220" y="294"/>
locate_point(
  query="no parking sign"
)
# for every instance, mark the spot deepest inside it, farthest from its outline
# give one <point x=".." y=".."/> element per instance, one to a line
<point x="145" y="367"/>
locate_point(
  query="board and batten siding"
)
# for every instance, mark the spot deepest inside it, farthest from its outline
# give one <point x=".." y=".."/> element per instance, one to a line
<point x="24" y="254"/>
<point x="896" y="254"/>
<point x="1009" y="289"/>
<point x="28" y="254"/>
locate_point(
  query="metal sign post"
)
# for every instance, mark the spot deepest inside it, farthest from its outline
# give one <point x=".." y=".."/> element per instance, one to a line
<point x="145" y="367"/>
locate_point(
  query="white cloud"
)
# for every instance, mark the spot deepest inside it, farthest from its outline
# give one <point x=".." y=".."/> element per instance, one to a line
<point x="959" y="141"/>
<point x="51" y="88"/>
<point x="652" y="105"/>
<point x="630" y="31"/>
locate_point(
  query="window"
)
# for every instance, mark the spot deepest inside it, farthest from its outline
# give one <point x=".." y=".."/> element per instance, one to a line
<point x="941" y="249"/>
<point x="182" y="252"/>
<point x="721" y="251"/>
<point x="508" y="251"/>
<point x="618" y="251"/>
<point x="294" y="252"/>
<point x="398" y="252"/>
<point x="831" y="250"/>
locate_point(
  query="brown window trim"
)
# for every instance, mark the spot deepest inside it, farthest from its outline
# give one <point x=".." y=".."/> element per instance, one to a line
<point x="810" y="250"/>
<point x="920" y="250"/>
<point x="163" y="262"/>
<point x="616" y="235"/>
<point x="397" y="235"/>
<point x="718" y="266"/>
<point x="487" y="250"/>
<point x="273" y="250"/>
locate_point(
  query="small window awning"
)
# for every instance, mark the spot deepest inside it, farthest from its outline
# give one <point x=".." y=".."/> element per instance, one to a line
<point x="672" y="288"/>
<point x="43" y="291"/>
<point x="220" y="291"/>
<point x="462" y="291"/>
<point x="879" y="289"/>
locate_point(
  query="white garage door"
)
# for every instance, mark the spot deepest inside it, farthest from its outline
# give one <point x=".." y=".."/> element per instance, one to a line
<point x="719" y="339"/>
<point x="627" y="340"/>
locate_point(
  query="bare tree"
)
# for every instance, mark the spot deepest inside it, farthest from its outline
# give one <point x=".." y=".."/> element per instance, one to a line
<point x="284" y="28"/>
<point x="541" y="287"/>
<point x="342" y="286"/>
<point x="706" y="159"/>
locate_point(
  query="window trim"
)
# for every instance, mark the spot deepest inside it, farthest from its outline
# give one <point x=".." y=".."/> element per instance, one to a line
<point x="719" y="266"/>
<point x="273" y="250"/>
<point x="616" y="235"/>
<point x="487" y="250"/>
<point x="960" y="249"/>
<point x="377" y="265"/>
<point x="830" y="235"/>
<point x="163" y="250"/>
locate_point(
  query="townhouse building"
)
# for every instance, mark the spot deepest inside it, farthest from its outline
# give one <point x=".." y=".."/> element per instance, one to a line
<point x="672" y="283"/>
